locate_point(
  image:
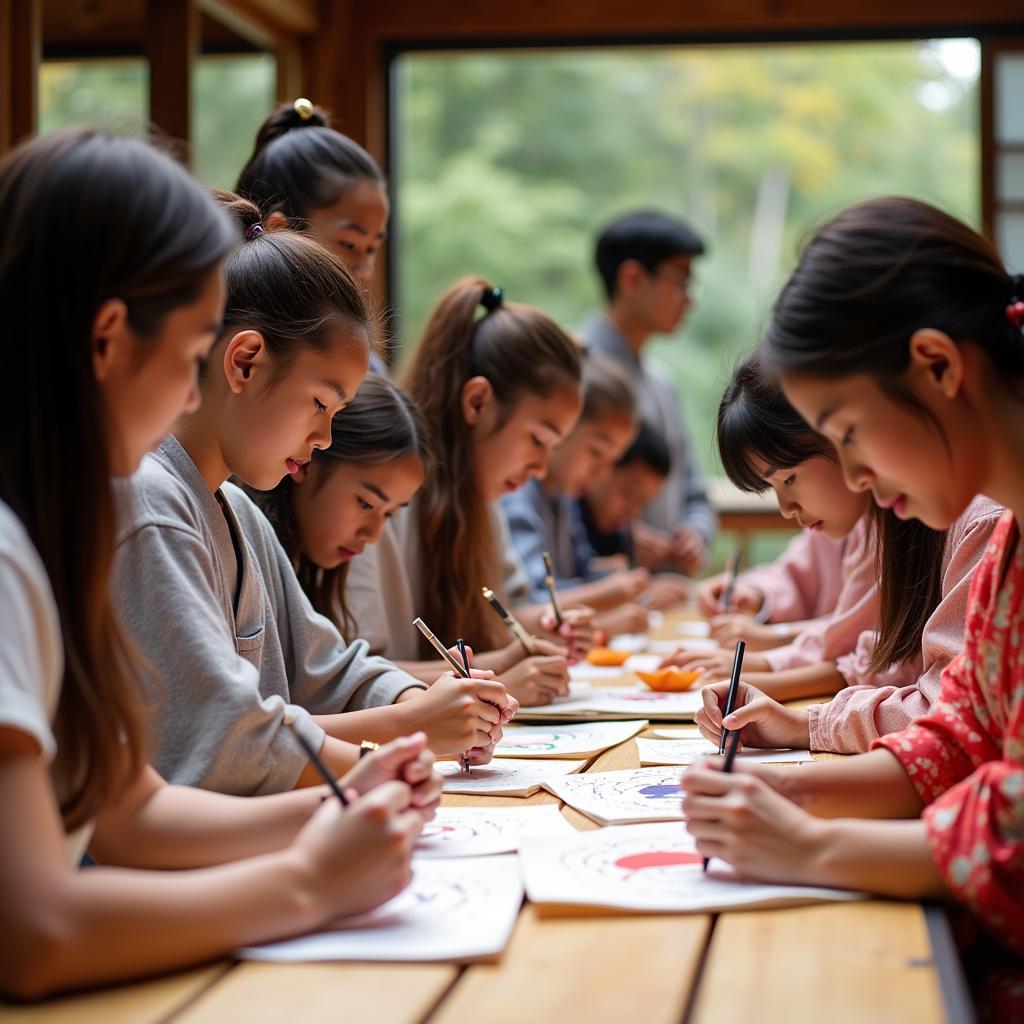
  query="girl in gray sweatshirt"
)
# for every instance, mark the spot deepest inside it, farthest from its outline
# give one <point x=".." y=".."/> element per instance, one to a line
<point x="202" y="584"/>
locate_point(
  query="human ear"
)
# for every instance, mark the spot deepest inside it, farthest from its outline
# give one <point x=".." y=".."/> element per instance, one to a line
<point x="275" y="221"/>
<point x="109" y="337"/>
<point x="937" y="360"/>
<point x="629" y="276"/>
<point x="243" y="354"/>
<point x="476" y="396"/>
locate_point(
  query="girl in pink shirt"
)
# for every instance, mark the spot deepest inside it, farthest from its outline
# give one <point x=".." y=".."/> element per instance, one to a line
<point x="772" y="603"/>
<point x="898" y="617"/>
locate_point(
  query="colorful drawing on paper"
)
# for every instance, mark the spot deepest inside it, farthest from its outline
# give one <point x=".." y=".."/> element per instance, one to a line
<point x="486" y="831"/>
<point x="454" y="910"/>
<point x="623" y="797"/>
<point x="654" y="868"/>
<point x="566" y="740"/>
<point x="504" y="776"/>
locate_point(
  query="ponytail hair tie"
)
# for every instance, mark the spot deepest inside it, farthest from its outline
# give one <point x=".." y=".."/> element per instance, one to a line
<point x="303" y="107"/>
<point x="1015" y="310"/>
<point x="492" y="299"/>
<point x="253" y="230"/>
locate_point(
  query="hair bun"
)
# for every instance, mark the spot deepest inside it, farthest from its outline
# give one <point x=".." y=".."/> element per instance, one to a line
<point x="243" y="212"/>
<point x="302" y="113"/>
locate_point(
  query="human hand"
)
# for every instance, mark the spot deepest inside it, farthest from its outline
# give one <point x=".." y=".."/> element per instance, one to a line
<point x="405" y="759"/>
<point x="745" y="598"/>
<point x="758" y="636"/>
<point x="688" y="549"/>
<point x="714" y="664"/>
<point x="652" y="548"/>
<point x="538" y="680"/>
<point x="762" y="722"/>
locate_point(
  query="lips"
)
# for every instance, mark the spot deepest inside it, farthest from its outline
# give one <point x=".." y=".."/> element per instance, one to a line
<point x="294" y="465"/>
<point x="347" y="553"/>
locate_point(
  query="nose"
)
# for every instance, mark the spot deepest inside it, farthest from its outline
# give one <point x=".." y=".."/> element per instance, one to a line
<point x="321" y="436"/>
<point x="371" y="530"/>
<point x="856" y="475"/>
<point x="788" y="508"/>
<point x="539" y="469"/>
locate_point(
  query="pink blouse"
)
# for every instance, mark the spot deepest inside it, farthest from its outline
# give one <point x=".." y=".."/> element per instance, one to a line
<point x="855" y="610"/>
<point x="803" y="582"/>
<point x="876" y="703"/>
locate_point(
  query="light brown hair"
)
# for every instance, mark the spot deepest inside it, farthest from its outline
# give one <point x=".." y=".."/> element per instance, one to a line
<point x="520" y="351"/>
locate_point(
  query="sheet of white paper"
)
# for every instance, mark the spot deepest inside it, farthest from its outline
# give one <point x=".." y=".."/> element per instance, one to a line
<point x="504" y="776"/>
<point x="686" y="751"/>
<point x="643" y="662"/>
<point x="454" y="910"/>
<point x="681" y="732"/>
<point x="623" y="797"/>
<point x="609" y="703"/>
<point x="694" y="629"/>
<point x="652" y="868"/>
<point x="641" y="643"/>
<point x="580" y="740"/>
<point x="585" y="672"/>
<point x="485" y="831"/>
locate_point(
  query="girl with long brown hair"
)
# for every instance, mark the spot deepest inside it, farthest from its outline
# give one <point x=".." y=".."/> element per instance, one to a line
<point x="498" y="386"/>
<point x="136" y="247"/>
<point x="327" y="515"/>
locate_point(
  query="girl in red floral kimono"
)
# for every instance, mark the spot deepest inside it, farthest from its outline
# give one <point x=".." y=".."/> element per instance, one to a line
<point x="899" y="337"/>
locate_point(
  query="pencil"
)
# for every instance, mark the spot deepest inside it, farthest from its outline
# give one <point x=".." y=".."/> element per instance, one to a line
<point x="730" y="586"/>
<point x="511" y="621"/>
<point x="440" y="648"/>
<point x="314" y="758"/>
<point x="549" y="579"/>
<point x="730" y="756"/>
<point x="734" y="683"/>
<point x="461" y="644"/>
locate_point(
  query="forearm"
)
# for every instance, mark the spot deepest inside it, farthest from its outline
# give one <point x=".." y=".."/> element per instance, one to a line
<point x="378" y="724"/>
<point x="891" y="858"/>
<point x="820" y="680"/>
<point x="337" y="754"/>
<point x="182" y="827"/>
<point x="98" y="925"/>
<point x="872" y="785"/>
<point x="598" y="594"/>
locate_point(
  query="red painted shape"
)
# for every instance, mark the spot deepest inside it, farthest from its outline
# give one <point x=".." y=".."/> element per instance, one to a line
<point x="657" y="859"/>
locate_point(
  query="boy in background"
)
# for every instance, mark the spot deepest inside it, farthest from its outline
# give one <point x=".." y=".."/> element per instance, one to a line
<point x="645" y="263"/>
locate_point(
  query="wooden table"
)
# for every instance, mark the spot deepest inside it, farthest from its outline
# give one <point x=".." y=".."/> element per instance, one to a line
<point x="875" y="961"/>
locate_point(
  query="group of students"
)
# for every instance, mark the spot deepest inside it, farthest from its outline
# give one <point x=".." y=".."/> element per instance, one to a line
<point x="219" y="519"/>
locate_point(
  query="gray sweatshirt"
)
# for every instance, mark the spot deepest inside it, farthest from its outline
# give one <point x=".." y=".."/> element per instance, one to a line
<point x="228" y="667"/>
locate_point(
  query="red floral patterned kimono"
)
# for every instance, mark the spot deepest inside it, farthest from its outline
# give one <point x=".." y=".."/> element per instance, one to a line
<point x="966" y="760"/>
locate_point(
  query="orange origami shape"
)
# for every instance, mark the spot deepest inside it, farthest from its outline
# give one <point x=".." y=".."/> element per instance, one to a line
<point x="673" y="679"/>
<point x="605" y="656"/>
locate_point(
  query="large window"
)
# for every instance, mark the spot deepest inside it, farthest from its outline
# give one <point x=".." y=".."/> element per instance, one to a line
<point x="232" y="95"/>
<point x="508" y="163"/>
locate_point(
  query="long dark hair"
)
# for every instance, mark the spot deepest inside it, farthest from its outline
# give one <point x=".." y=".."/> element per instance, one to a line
<point x="520" y="351"/>
<point x="87" y="217"/>
<point x="379" y="425"/>
<point x="300" y="164"/>
<point x="291" y="290"/>
<point x="874" y="275"/>
<point x="756" y="421"/>
<point x="866" y="281"/>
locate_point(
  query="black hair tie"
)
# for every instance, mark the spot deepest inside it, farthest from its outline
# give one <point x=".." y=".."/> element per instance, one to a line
<point x="492" y="299"/>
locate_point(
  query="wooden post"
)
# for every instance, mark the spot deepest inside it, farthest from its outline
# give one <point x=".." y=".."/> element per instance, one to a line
<point x="172" y="45"/>
<point x="21" y="47"/>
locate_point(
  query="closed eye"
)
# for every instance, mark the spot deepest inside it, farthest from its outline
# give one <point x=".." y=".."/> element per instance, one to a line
<point x="847" y="437"/>
<point x="320" y="407"/>
<point x="364" y="505"/>
<point x="788" y="482"/>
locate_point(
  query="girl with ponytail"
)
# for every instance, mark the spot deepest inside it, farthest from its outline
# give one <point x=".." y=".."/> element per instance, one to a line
<point x="304" y="175"/>
<point x="498" y="386"/>
<point x="899" y="338"/>
<point x="202" y="583"/>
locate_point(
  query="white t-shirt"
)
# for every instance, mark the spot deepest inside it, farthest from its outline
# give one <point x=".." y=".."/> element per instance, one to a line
<point x="31" y="652"/>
